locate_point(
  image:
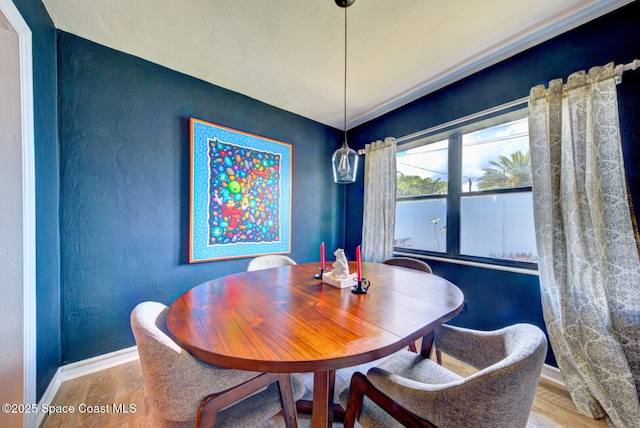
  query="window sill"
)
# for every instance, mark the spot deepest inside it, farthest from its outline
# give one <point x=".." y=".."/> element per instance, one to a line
<point x="513" y="269"/>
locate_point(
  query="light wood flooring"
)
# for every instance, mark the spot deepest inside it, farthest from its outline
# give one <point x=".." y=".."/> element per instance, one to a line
<point x="123" y="385"/>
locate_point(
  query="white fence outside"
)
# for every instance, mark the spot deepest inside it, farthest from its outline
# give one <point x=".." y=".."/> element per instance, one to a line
<point x="497" y="226"/>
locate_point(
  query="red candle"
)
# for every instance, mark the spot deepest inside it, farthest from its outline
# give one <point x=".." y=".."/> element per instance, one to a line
<point x="322" y="256"/>
<point x="359" y="263"/>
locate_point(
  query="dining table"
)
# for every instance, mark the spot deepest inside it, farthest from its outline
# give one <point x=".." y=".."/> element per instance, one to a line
<point x="286" y="320"/>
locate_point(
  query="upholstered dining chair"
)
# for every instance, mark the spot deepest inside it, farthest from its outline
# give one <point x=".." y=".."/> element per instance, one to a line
<point x="270" y="261"/>
<point x="411" y="390"/>
<point x="182" y="391"/>
<point x="410" y="263"/>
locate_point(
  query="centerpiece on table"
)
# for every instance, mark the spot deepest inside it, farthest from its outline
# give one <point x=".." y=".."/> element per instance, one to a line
<point x="340" y="277"/>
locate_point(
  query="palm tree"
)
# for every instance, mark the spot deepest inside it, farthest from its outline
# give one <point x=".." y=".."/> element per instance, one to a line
<point x="508" y="172"/>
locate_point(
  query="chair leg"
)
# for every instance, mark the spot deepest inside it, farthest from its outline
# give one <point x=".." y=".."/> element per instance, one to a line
<point x="361" y="387"/>
<point x="287" y="401"/>
<point x="354" y="401"/>
<point x="212" y="404"/>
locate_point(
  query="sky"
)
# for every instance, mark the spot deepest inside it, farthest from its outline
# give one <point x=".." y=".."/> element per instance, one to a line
<point x="479" y="148"/>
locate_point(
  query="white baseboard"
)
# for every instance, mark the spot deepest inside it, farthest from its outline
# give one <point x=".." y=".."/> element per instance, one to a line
<point x="553" y="374"/>
<point x="82" y="368"/>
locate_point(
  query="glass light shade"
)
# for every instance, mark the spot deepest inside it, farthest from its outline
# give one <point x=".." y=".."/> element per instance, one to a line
<point x="345" y="165"/>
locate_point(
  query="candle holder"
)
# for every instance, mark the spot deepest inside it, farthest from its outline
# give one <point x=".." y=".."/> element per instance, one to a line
<point x="319" y="275"/>
<point x="362" y="287"/>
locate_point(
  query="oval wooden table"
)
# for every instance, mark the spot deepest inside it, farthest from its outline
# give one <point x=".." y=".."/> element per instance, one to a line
<point x="284" y="320"/>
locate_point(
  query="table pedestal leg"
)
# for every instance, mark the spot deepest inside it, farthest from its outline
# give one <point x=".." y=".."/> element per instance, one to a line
<point x="427" y="345"/>
<point x="323" y="390"/>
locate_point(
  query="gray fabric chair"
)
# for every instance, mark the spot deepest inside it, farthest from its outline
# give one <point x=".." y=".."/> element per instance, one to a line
<point x="182" y="391"/>
<point x="271" y="261"/>
<point x="410" y="263"/>
<point x="419" y="392"/>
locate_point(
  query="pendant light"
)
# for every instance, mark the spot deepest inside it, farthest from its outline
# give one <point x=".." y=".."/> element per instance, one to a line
<point x="345" y="160"/>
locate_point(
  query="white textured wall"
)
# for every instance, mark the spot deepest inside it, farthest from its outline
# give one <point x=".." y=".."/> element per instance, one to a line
<point x="11" y="253"/>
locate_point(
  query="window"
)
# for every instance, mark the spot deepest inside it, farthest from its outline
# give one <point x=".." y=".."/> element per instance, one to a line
<point x="422" y="185"/>
<point x="464" y="190"/>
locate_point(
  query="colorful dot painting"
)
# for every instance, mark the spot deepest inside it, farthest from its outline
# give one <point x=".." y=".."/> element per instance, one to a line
<point x="244" y="190"/>
<point x="240" y="194"/>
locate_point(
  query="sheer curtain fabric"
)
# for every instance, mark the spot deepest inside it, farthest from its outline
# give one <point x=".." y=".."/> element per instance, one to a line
<point x="588" y="258"/>
<point x="379" y="218"/>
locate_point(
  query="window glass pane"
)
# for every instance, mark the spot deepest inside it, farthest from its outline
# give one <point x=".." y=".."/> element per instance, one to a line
<point x="421" y="225"/>
<point x="498" y="226"/>
<point x="496" y="157"/>
<point x="423" y="171"/>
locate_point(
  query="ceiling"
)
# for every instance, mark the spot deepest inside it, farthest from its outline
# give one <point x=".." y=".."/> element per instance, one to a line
<point x="290" y="53"/>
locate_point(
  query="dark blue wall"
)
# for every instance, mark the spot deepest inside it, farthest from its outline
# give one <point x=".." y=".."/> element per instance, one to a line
<point x="496" y="298"/>
<point x="43" y="37"/>
<point x="124" y="145"/>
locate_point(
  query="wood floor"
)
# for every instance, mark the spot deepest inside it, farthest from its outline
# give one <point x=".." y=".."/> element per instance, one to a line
<point x="120" y="391"/>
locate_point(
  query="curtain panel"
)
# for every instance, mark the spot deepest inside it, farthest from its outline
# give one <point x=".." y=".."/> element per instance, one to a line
<point x="588" y="258"/>
<point x="379" y="217"/>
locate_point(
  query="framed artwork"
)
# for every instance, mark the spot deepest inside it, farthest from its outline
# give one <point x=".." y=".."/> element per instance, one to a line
<point x="240" y="194"/>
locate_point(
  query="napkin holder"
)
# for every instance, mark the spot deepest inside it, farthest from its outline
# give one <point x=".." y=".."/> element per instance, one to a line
<point x="329" y="278"/>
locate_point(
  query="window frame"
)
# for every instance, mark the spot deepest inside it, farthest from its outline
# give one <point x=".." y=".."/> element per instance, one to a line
<point x="453" y="132"/>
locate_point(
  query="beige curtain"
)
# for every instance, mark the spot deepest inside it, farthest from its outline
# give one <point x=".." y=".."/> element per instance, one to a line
<point x="379" y="216"/>
<point x="588" y="259"/>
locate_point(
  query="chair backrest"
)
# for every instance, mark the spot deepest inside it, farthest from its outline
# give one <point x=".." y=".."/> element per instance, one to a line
<point x="271" y="261"/>
<point x="409" y="262"/>
<point x="175" y="381"/>
<point x="502" y="393"/>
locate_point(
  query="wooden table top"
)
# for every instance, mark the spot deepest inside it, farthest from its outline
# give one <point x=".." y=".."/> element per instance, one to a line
<point x="284" y="320"/>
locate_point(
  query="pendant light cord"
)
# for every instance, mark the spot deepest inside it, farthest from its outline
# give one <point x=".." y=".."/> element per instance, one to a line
<point x="345" y="76"/>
